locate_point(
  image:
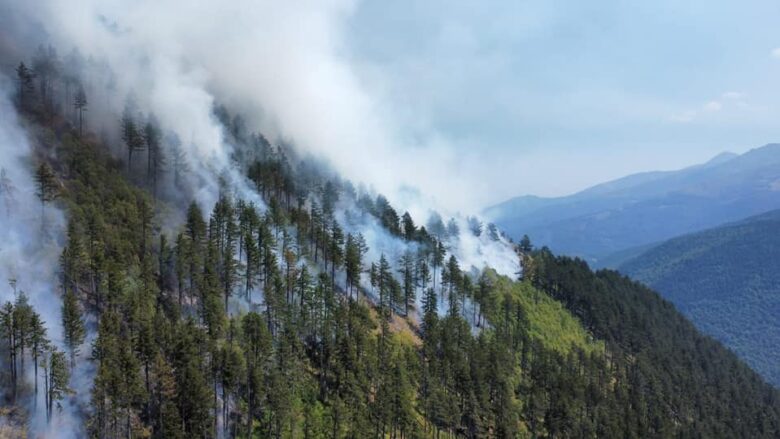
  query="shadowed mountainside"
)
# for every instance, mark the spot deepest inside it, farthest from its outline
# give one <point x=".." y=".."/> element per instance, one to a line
<point x="727" y="281"/>
<point x="646" y="208"/>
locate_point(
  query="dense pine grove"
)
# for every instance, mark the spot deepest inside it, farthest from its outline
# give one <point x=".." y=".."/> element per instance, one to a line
<point x="314" y="351"/>
<point x="685" y="379"/>
<point x="725" y="281"/>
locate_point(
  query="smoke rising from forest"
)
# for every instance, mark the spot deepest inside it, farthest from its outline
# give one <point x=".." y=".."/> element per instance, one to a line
<point x="219" y="303"/>
<point x="279" y="66"/>
<point x="32" y="236"/>
<point x="283" y="65"/>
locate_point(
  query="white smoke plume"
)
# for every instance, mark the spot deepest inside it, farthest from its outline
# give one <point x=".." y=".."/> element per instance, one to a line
<point x="282" y="64"/>
<point x="29" y="257"/>
<point x="284" y="67"/>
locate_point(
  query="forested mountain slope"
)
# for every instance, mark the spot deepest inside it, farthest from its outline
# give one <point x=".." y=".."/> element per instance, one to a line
<point x="683" y="375"/>
<point x="281" y="301"/>
<point x="647" y="208"/>
<point x="727" y="281"/>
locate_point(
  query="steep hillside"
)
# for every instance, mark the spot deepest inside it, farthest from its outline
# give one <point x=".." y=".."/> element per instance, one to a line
<point x="268" y="312"/>
<point x="180" y="275"/>
<point x="727" y="281"/>
<point x="684" y="376"/>
<point x="647" y="208"/>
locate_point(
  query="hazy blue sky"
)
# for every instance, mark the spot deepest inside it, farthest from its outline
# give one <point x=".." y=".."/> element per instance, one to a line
<point x="547" y="97"/>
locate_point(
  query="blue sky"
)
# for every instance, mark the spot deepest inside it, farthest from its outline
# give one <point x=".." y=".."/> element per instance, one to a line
<point x="548" y="97"/>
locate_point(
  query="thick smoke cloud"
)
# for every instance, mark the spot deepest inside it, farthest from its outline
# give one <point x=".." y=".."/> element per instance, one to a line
<point x="282" y="64"/>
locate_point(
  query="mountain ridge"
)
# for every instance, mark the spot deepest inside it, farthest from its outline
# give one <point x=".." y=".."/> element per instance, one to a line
<point x="644" y="176"/>
<point x="644" y="208"/>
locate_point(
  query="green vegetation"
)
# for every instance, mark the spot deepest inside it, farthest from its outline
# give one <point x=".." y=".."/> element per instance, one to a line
<point x="269" y="321"/>
<point x="687" y="381"/>
<point x="548" y="320"/>
<point x="727" y="282"/>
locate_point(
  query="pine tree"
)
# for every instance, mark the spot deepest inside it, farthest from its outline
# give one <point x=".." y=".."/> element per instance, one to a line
<point x="438" y="258"/>
<point x="304" y="291"/>
<point x="354" y="249"/>
<point x="193" y="249"/>
<point x="25" y="77"/>
<point x="39" y="345"/>
<point x="229" y="263"/>
<point x="80" y="103"/>
<point x="145" y="345"/>
<point x="451" y="280"/>
<point x="482" y="294"/>
<point x="406" y="264"/>
<point x="257" y="345"/>
<point x="46" y="67"/>
<point x="330" y="196"/>
<point x="385" y="286"/>
<point x="57" y="378"/>
<point x="155" y="156"/>
<point x="194" y="394"/>
<point x="45" y="188"/>
<point x="408" y="227"/>
<point x="23" y="316"/>
<point x="151" y="137"/>
<point x="373" y="276"/>
<point x="73" y="260"/>
<point x="212" y="310"/>
<point x="181" y="252"/>
<point x="252" y="266"/>
<point x="290" y="266"/>
<point x="336" y="251"/>
<point x="430" y="308"/>
<point x="196" y="225"/>
<point x="423" y="272"/>
<point x="166" y="420"/>
<point x="388" y="217"/>
<point x="74" y="331"/>
<point x="11" y="346"/>
<point x="131" y="135"/>
<point x="233" y="374"/>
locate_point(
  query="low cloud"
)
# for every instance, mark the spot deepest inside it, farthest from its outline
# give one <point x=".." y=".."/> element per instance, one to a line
<point x="684" y="117"/>
<point x="727" y="101"/>
<point x="712" y="106"/>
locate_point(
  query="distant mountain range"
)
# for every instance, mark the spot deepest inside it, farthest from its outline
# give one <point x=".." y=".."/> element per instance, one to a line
<point x="727" y="281"/>
<point x="613" y="221"/>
